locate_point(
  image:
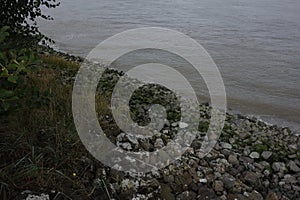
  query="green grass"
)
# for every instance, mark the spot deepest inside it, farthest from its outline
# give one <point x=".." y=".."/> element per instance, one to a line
<point x="40" y="149"/>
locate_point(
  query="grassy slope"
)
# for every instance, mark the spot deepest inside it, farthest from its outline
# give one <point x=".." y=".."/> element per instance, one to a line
<point x="40" y="147"/>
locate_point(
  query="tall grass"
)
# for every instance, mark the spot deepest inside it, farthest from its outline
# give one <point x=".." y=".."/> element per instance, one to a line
<point x="40" y="148"/>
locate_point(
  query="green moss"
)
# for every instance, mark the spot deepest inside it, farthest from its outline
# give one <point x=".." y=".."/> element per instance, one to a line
<point x="203" y="126"/>
<point x="260" y="148"/>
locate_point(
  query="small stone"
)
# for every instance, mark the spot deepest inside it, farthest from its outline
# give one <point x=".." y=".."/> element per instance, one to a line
<point x="132" y="139"/>
<point x="272" y="196"/>
<point x="203" y="180"/>
<point x="246" y="194"/>
<point x="254" y="195"/>
<point x="226" y="145"/>
<point x="36" y="197"/>
<point x="206" y="193"/>
<point x="267" y="172"/>
<point x="126" y="145"/>
<point x="246" y="151"/>
<point x="293" y="166"/>
<point x="278" y="166"/>
<point x="228" y="182"/>
<point x="236" y="197"/>
<point x="168" y="178"/>
<point x="266" y="155"/>
<point x="289" y="179"/>
<point x="183" y="125"/>
<point x="251" y="178"/>
<point x="166" y="192"/>
<point x="254" y="155"/>
<point x="233" y="159"/>
<point x="246" y="160"/>
<point x="187" y="195"/>
<point x="293" y="147"/>
<point x="218" y="186"/>
<point x="159" y="143"/>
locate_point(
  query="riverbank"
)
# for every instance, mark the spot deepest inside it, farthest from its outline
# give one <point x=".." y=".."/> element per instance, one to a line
<point x="42" y="153"/>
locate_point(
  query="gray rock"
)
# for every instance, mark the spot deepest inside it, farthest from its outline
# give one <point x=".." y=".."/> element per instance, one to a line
<point x="168" y="178"/>
<point x="206" y="193"/>
<point x="159" y="143"/>
<point x="254" y="195"/>
<point x="183" y="125"/>
<point x="246" y="160"/>
<point x="228" y="182"/>
<point x="289" y="179"/>
<point x="233" y="159"/>
<point x="37" y="197"/>
<point x="187" y="195"/>
<point x="132" y="139"/>
<point x="126" y="145"/>
<point x="266" y="155"/>
<point x="251" y="178"/>
<point x="166" y="192"/>
<point x="254" y="155"/>
<point x="278" y="167"/>
<point x="226" y="145"/>
<point x="218" y="186"/>
<point x="203" y="180"/>
<point x="236" y="197"/>
<point x="293" y="166"/>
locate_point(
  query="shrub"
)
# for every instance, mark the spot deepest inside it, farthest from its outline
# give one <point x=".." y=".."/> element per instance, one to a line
<point x="21" y="15"/>
<point x="15" y="64"/>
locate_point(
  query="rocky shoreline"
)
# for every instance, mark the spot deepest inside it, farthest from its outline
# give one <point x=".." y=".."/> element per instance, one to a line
<point x="251" y="160"/>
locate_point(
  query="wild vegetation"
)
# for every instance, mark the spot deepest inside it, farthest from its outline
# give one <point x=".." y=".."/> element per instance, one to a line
<point x="41" y="152"/>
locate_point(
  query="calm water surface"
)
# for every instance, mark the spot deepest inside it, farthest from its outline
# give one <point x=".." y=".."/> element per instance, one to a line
<point x="256" y="44"/>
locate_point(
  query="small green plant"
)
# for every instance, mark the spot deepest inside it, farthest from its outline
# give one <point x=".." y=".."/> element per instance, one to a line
<point x="15" y="64"/>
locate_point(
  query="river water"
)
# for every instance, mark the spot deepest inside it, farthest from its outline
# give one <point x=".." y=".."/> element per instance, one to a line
<point x="255" y="44"/>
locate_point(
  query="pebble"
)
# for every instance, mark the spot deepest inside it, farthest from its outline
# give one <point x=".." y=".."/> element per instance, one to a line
<point x="254" y="155"/>
<point x="293" y="166"/>
<point x="233" y="159"/>
<point x="218" y="186"/>
<point x="278" y="166"/>
<point x="266" y="155"/>
<point x="226" y="145"/>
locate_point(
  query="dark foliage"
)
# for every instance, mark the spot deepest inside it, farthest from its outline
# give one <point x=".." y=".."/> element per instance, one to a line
<point x="21" y="15"/>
